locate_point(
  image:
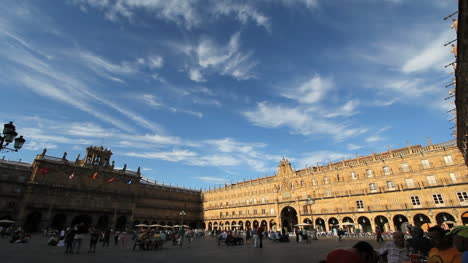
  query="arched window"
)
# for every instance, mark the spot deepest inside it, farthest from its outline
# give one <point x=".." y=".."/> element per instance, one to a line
<point x="387" y="170"/>
<point x="369" y="173"/>
<point x="354" y="175"/>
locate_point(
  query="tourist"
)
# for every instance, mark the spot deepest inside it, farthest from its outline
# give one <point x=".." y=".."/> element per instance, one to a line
<point x="106" y="238"/>
<point x="442" y="250"/>
<point x="181" y="236"/>
<point x="395" y="251"/>
<point x="123" y="238"/>
<point x="116" y="238"/>
<point x="418" y="244"/>
<point x="255" y="236"/>
<point x="460" y="240"/>
<point x="80" y="231"/>
<point x="378" y="233"/>
<point x="93" y="239"/>
<point x="69" y="237"/>
<point x="260" y="236"/>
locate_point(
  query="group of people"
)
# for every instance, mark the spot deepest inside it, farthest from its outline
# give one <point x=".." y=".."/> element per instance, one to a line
<point x="440" y="246"/>
<point x="16" y="234"/>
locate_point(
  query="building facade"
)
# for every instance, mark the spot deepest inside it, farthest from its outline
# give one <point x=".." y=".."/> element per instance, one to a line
<point x="56" y="192"/>
<point x="417" y="185"/>
<point x="461" y="77"/>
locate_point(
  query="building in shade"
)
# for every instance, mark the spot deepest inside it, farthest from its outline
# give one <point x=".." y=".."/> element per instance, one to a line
<point x="417" y="185"/>
<point x="57" y="192"/>
<point x="461" y="76"/>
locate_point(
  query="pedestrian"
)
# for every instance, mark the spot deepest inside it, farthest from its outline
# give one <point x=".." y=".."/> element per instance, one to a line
<point x="69" y="236"/>
<point x="106" y="239"/>
<point x="116" y="238"/>
<point x="260" y="236"/>
<point x="255" y="236"/>
<point x="93" y="239"/>
<point x="80" y="231"/>
<point x="378" y="233"/>
<point x="181" y="236"/>
<point x="123" y="238"/>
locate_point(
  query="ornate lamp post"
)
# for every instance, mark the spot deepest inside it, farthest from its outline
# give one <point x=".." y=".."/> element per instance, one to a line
<point x="9" y="134"/>
<point x="182" y="214"/>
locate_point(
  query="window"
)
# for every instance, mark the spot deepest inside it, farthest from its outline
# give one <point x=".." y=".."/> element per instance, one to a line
<point x="272" y="211"/>
<point x="248" y="212"/>
<point x="372" y="187"/>
<point x="263" y="211"/>
<point x="354" y="175"/>
<point x="227" y="203"/>
<point x="453" y="177"/>
<point x="462" y="196"/>
<point x="405" y="167"/>
<point x="240" y="212"/>
<point x="425" y="164"/>
<point x="220" y="214"/>
<point x="247" y="202"/>
<point x="314" y="182"/>
<point x="409" y="183"/>
<point x="438" y="199"/>
<point x="255" y="211"/>
<point x="227" y="213"/>
<point x="233" y="213"/>
<point x="431" y="180"/>
<point x="415" y="200"/>
<point x="328" y="192"/>
<point x="326" y="180"/>
<point x="448" y="160"/>
<point x="369" y="173"/>
<point x="255" y="201"/>
<point x="359" y="204"/>
<point x="263" y="200"/>
<point x="390" y="185"/>
<point x="387" y="170"/>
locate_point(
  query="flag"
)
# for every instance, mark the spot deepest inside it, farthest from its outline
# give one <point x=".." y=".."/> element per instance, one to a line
<point x="43" y="171"/>
<point x="71" y="176"/>
<point x="111" y="180"/>
<point x="94" y="176"/>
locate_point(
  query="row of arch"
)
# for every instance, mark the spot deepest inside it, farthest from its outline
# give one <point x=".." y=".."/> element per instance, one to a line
<point x="241" y="225"/>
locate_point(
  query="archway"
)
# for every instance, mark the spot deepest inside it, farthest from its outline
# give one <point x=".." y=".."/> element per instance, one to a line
<point x="382" y="223"/>
<point x="255" y="224"/>
<point x="334" y="224"/>
<point x="348" y="224"/>
<point x="136" y="222"/>
<point x="215" y="226"/>
<point x="210" y="226"/>
<point x="241" y="225"/>
<point x="273" y="225"/>
<point x="320" y="223"/>
<point x="85" y="219"/>
<point x="227" y="225"/>
<point x="103" y="222"/>
<point x="464" y="218"/>
<point x="59" y="221"/>
<point x="288" y="218"/>
<point x="146" y="222"/>
<point x="121" y="223"/>
<point x="247" y="225"/>
<point x="398" y="223"/>
<point x="365" y="224"/>
<point x="264" y="225"/>
<point x="422" y="221"/>
<point x="33" y="221"/>
<point x="445" y="220"/>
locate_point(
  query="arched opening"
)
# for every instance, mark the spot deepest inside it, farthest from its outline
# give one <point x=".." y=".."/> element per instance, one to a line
<point x="146" y="222"/>
<point x="422" y="221"/>
<point x="446" y="220"/>
<point x="154" y="222"/>
<point x="234" y="225"/>
<point x="210" y="226"/>
<point x="33" y="221"/>
<point x="464" y="218"/>
<point x="264" y="225"/>
<point x="136" y="222"/>
<point x="170" y="223"/>
<point x="320" y="224"/>
<point x="334" y="224"/>
<point x="215" y="226"/>
<point x="398" y="222"/>
<point x="364" y="224"/>
<point x="103" y="222"/>
<point x="241" y="225"/>
<point x="59" y="221"/>
<point x="227" y="225"/>
<point x="248" y="225"/>
<point x="82" y="219"/>
<point x="382" y="222"/>
<point x="162" y="223"/>
<point x="348" y="224"/>
<point x="288" y="219"/>
<point x="193" y="225"/>
<point x="121" y="223"/>
<point x="255" y="224"/>
<point x="273" y="225"/>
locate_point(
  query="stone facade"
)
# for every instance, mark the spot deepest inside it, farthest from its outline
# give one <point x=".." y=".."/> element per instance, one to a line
<point x="55" y="192"/>
<point x="414" y="185"/>
<point x="461" y="74"/>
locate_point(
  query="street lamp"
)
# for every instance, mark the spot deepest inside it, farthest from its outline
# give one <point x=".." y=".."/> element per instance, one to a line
<point x="182" y="213"/>
<point x="9" y="134"/>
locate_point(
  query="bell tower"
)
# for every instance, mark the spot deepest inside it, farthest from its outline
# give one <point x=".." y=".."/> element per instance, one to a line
<point x="97" y="157"/>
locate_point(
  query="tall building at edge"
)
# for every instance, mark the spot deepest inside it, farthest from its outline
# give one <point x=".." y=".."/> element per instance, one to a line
<point x="418" y="185"/>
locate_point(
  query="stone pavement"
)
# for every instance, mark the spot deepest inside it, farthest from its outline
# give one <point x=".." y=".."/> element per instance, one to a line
<point x="201" y="250"/>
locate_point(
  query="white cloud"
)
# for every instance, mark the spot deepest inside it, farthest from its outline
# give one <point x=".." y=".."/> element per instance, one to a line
<point x="171" y="156"/>
<point x="352" y="147"/>
<point x="431" y="56"/>
<point x="243" y="13"/>
<point x="311" y="159"/>
<point x="196" y="75"/>
<point x="155" y="102"/>
<point x="311" y="91"/>
<point x="375" y="138"/>
<point x="213" y="180"/>
<point x="155" y="61"/>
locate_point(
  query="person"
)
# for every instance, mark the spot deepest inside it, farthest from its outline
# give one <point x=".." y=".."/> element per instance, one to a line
<point x="106" y="238"/>
<point x="123" y="238"/>
<point x="340" y="234"/>
<point x="181" y="236"/>
<point x="366" y="252"/>
<point x="52" y="241"/>
<point x="93" y="239"/>
<point x="378" y="234"/>
<point x="260" y="236"/>
<point x="442" y="250"/>
<point x="80" y="231"/>
<point x="341" y="255"/>
<point x="460" y="240"/>
<point x="418" y="244"/>
<point x="255" y="236"/>
<point x="69" y="236"/>
<point x="116" y="238"/>
<point x="395" y="251"/>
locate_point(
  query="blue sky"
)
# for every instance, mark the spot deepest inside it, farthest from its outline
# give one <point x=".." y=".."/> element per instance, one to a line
<point x="206" y="92"/>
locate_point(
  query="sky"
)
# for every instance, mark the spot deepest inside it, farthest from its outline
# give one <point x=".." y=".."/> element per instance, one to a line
<point x="199" y="93"/>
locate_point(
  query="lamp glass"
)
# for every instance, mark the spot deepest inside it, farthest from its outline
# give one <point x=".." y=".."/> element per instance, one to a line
<point x="19" y="142"/>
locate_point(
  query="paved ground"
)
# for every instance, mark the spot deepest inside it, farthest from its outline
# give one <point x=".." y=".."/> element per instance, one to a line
<point x="201" y="250"/>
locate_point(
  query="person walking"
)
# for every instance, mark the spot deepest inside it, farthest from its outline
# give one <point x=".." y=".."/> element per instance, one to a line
<point x="69" y="236"/>
<point x="93" y="239"/>
<point x="123" y="238"/>
<point x="181" y="236"/>
<point x="80" y="231"/>
<point x="106" y="239"/>
<point x="378" y="233"/>
<point x="255" y="237"/>
<point x="260" y="236"/>
<point x="116" y="238"/>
